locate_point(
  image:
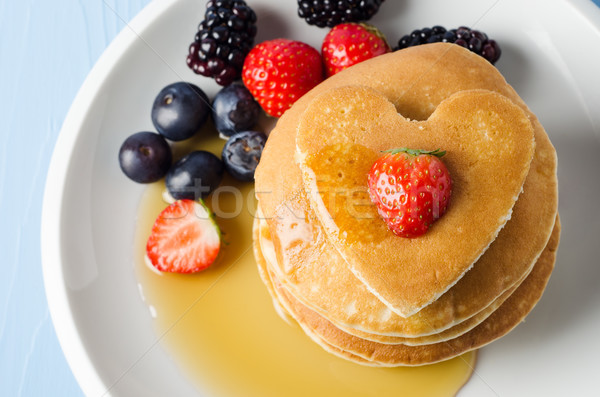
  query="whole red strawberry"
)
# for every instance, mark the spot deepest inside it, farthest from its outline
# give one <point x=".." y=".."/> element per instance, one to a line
<point x="184" y="238"/>
<point x="278" y="72"/>
<point x="411" y="189"/>
<point x="350" y="43"/>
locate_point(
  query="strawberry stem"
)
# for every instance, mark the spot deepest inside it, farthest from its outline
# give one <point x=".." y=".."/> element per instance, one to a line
<point x="416" y="152"/>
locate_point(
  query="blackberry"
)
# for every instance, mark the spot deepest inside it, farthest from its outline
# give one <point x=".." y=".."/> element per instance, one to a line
<point x="333" y="12"/>
<point x="224" y="38"/>
<point x="474" y="40"/>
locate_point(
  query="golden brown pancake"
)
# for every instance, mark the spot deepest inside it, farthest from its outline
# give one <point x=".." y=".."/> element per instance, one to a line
<point x="504" y="319"/>
<point x="313" y="270"/>
<point x="266" y="279"/>
<point x="257" y="230"/>
<point x="267" y="252"/>
<point x="417" y="80"/>
<point x="489" y="146"/>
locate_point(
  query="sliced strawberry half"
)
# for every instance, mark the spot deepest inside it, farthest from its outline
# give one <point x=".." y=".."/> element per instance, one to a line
<point x="184" y="238"/>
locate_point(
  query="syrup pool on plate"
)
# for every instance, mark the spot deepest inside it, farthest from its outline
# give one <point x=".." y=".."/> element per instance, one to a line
<point x="223" y="332"/>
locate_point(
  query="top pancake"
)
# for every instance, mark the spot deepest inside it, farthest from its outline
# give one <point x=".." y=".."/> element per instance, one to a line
<point x="416" y="80"/>
<point x="489" y="146"/>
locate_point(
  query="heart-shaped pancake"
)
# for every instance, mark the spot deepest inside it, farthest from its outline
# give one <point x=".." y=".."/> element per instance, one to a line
<point x="416" y="80"/>
<point x="489" y="143"/>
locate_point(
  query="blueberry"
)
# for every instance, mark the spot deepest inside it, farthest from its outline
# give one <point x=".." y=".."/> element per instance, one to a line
<point x="195" y="175"/>
<point x="234" y="110"/>
<point x="180" y="110"/>
<point x="241" y="154"/>
<point x="145" y="157"/>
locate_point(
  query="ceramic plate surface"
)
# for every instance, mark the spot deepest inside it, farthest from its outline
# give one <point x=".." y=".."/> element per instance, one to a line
<point x="551" y="54"/>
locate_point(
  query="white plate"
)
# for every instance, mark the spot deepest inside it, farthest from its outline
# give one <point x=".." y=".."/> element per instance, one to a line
<point x="551" y="54"/>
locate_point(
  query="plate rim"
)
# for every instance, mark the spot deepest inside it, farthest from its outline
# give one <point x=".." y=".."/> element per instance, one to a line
<point x="56" y="289"/>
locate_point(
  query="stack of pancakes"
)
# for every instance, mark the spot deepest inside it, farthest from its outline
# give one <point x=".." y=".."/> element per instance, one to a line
<point x="330" y="262"/>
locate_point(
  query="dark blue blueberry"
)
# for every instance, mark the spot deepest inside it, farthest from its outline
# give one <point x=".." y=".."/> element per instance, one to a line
<point x="180" y="110"/>
<point x="241" y="154"/>
<point x="145" y="157"/>
<point x="234" y="110"/>
<point x="194" y="176"/>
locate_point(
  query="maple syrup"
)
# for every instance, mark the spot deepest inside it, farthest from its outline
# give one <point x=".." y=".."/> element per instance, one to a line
<point x="222" y="330"/>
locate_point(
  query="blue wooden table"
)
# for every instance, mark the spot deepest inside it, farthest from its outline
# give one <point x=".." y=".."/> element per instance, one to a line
<point x="46" y="50"/>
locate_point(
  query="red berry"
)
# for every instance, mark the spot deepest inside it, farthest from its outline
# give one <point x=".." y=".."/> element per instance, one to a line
<point x="278" y="72"/>
<point x="411" y="189"/>
<point x="184" y="238"/>
<point x="350" y="43"/>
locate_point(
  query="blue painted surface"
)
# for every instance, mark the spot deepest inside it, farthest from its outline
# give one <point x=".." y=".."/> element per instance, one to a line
<point x="46" y="50"/>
